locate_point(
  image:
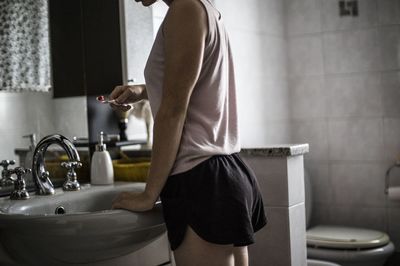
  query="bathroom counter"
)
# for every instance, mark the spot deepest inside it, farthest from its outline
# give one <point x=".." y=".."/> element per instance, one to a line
<point x="282" y="150"/>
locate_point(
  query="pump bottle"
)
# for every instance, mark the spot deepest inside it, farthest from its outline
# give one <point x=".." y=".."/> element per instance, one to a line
<point x="101" y="172"/>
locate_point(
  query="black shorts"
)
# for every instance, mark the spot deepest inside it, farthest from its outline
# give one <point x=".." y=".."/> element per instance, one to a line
<point x="218" y="198"/>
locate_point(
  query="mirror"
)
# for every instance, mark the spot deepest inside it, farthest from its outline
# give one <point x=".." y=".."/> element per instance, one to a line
<point x="47" y="112"/>
<point x="27" y="104"/>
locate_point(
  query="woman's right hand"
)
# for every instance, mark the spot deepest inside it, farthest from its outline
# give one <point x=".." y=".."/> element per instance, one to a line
<point x="127" y="94"/>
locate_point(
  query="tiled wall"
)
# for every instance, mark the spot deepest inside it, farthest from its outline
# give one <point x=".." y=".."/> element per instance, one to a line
<point x="344" y="80"/>
<point x="257" y="34"/>
<point x="37" y="112"/>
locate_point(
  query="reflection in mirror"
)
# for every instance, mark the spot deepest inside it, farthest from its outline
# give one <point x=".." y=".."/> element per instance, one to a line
<point x="27" y="105"/>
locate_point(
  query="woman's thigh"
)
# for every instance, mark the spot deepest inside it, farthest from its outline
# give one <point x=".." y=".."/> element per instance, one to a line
<point x="194" y="251"/>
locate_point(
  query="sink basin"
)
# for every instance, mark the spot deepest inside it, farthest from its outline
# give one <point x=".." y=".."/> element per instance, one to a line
<point x="88" y="232"/>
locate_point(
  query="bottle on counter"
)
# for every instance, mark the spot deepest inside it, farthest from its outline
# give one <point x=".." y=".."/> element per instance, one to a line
<point x="101" y="172"/>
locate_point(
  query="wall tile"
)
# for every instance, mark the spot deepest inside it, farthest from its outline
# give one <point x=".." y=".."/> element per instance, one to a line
<point x="295" y="173"/>
<point x="262" y="16"/>
<point x="351" y="51"/>
<point x="394" y="228"/>
<point x="391" y="131"/>
<point x="356" y="139"/>
<point x="271" y="175"/>
<point x="389" y="41"/>
<point x="391" y="94"/>
<point x="315" y="133"/>
<point x="389" y="12"/>
<point x="74" y="114"/>
<point x="369" y="217"/>
<point x="307" y="97"/>
<point x="332" y="21"/>
<point x="275" y="132"/>
<point x="303" y="16"/>
<point x="271" y="15"/>
<point x="321" y="184"/>
<point x="298" y="235"/>
<point x="320" y="214"/>
<point x="357" y="95"/>
<point x="271" y="243"/>
<point x="360" y="184"/>
<point x="305" y="56"/>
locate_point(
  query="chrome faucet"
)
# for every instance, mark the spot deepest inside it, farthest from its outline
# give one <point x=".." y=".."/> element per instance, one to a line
<point x="42" y="177"/>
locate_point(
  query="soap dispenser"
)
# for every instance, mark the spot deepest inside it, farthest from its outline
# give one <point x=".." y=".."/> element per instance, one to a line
<point x="101" y="171"/>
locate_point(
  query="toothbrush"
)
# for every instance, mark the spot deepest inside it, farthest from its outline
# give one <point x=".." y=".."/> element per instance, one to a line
<point x="103" y="99"/>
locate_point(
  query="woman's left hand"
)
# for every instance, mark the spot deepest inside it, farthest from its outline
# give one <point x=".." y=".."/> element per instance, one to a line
<point x="133" y="201"/>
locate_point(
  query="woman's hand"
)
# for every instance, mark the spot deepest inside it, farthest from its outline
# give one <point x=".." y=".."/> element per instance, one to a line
<point x="127" y="94"/>
<point x="133" y="201"/>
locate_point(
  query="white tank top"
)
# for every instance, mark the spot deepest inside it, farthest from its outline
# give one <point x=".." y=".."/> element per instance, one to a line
<point x="211" y="126"/>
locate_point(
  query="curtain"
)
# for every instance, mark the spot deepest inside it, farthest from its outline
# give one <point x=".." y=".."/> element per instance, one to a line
<point x="24" y="45"/>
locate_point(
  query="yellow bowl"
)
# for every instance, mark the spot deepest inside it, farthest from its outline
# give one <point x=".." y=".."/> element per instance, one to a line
<point x="134" y="170"/>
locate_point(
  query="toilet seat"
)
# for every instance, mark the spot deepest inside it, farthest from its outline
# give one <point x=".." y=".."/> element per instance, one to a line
<point x="340" y="237"/>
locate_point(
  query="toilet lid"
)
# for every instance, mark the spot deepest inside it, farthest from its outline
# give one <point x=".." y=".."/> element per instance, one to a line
<point x="340" y="237"/>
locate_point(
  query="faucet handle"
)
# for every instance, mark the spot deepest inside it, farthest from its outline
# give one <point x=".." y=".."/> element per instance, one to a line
<point x="20" y="191"/>
<point x="71" y="183"/>
<point x="6" y="163"/>
<point x="5" y="179"/>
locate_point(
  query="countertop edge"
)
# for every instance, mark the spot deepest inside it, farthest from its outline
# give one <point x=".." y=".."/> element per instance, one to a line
<point x="283" y="150"/>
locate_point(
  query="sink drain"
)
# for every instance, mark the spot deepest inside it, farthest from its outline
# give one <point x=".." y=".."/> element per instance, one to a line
<point x="60" y="210"/>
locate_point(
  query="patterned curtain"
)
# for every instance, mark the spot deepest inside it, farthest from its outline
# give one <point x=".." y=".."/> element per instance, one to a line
<point x="24" y="45"/>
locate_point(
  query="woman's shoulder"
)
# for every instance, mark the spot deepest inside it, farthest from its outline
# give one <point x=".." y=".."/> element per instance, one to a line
<point x="187" y="8"/>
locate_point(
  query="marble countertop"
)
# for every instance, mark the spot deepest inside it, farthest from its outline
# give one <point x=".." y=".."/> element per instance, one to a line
<point x="279" y="150"/>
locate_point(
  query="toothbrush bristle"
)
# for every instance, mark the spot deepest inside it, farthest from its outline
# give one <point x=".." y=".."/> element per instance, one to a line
<point x="100" y="98"/>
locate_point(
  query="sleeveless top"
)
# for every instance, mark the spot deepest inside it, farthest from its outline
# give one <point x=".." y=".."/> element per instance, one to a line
<point x="211" y="125"/>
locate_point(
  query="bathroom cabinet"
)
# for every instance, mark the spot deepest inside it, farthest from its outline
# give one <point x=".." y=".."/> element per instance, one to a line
<point x="97" y="45"/>
<point x="85" y="40"/>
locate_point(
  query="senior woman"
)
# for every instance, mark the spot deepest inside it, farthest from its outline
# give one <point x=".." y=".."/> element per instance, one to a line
<point x="211" y="201"/>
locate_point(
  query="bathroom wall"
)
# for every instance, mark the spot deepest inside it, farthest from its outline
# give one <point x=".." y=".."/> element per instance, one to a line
<point x="257" y="34"/>
<point x="344" y="83"/>
<point x="37" y="112"/>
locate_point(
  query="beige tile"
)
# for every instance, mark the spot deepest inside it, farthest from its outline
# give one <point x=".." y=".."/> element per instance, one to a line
<point x="315" y="133"/>
<point x="393" y="224"/>
<point x="391" y="131"/>
<point x="272" y="245"/>
<point x="356" y="216"/>
<point x="321" y="184"/>
<point x="351" y="51"/>
<point x="305" y="56"/>
<point x="358" y="184"/>
<point x="354" y="95"/>
<point x="389" y="12"/>
<point x="307" y="97"/>
<point x="391" y="94"/>
<point x="303" y="16"/>
<point x="389" y="40"/>
<point x="356" y="139"/>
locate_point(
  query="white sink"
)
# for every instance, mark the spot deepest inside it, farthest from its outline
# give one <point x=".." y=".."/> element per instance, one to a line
<point x="88" y="232"/>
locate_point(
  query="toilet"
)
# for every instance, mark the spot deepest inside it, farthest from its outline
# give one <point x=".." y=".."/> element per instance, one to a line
<point x="346" y="246"/>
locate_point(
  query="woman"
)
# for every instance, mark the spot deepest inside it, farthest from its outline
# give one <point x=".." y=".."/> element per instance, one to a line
<point x="211" y="202"/>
